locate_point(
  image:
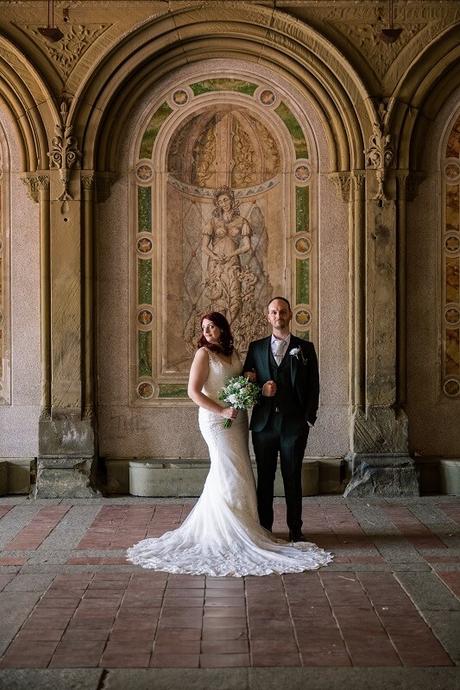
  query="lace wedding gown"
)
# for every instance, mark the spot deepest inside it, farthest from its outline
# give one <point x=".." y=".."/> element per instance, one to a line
<point x="222" y="534"/>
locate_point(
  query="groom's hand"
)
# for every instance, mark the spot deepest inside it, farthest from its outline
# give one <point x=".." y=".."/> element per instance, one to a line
<point x="269" y="389"/>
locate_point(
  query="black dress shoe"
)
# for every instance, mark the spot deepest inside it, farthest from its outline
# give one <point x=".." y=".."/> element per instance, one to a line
<point x="296" y="536"/>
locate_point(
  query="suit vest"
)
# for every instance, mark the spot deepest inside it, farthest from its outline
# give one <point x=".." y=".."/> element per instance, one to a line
<point x="285" y="398"/>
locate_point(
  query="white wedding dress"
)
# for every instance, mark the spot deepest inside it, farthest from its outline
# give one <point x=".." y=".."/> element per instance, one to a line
<point x="222" y="534"/>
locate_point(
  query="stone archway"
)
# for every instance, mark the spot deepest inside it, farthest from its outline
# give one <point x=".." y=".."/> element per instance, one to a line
<point x="174" y="175"/>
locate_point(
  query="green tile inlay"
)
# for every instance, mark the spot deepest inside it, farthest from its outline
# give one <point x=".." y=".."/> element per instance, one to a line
<point x="294" y="128"/>
<point x="302" y="281"/>
<point x="144" y="209"/>
<point x="223" y="85"/>
<point x="144" y="277"/>
<point x="305" y="335"/>
<point x="302" y="209"/>
<point x="145" y="353"/>
<point x="172" y="390"/>
<point x="150" y="134"/>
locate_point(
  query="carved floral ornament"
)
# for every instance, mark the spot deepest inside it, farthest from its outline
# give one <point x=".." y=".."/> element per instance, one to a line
<point x="380" y="151"/>
<point x="64" y="152"/>
<point x="66" y="53"/>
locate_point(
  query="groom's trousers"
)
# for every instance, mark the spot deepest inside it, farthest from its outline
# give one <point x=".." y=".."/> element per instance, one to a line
<point x="291" y="448"/>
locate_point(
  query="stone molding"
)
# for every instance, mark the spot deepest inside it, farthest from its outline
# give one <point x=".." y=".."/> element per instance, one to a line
<point x="343" y="184"/>
<point x="347" y="182"/>
<point x="34" y="183"/>
<point x="88" y="180"/>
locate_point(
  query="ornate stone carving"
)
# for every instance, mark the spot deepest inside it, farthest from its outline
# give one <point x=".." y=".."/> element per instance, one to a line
<point x="342" y="183"/>
<point x="359" y="177"/>
<point x="76" y="40"/>
<point x="64" y="153"/>
<point x="35" y="182"/>
<point x="367" y="38"/>
<point x="88" y="179"/>
<point x="380" y="152"/>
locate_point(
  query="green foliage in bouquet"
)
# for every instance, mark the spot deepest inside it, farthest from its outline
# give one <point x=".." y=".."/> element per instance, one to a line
<point x="239" y="393"/>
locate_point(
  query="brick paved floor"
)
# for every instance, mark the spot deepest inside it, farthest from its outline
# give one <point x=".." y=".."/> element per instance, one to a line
<point x="69" y="599"/>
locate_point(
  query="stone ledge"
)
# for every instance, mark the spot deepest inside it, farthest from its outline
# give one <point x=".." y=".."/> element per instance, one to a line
<point x="65" y="477"/>
<point x="386" y="475"/>
<point x="18" y="474"/>
<point x="186" y="477"/>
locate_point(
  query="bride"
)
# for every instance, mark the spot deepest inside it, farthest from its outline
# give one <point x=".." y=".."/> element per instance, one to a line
<point x="222" y="534"/>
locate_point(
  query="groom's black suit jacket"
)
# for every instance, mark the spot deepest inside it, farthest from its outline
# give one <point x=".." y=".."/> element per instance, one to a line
<point x="298" y="384"/>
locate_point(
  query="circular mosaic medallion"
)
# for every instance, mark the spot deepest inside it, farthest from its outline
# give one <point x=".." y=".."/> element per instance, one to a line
<point x="302" y="172"/>
<point x="267" y="97"/>
<point x="452" y="243"/>
<point x="451" y="388"/>
<point x="302" y="245"/>
<point x="144" y="172"/>
<point x="452" y="315"/>
<point x="452" y="171"/>
<point x="302" y="317"/>
<point x="180" y="97"/>
<point x="145" y="317"/>
<point x="145" y="390"/>
<point x="144" y="245"/>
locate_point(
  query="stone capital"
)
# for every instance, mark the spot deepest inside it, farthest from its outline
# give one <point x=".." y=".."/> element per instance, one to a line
<point x="35" y="182"/>
<point x="343" y="184"/>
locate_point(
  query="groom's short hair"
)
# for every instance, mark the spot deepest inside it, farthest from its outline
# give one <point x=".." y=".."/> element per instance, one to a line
<point x="284" y="299"/>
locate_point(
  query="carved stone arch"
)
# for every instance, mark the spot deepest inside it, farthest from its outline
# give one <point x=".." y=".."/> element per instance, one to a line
<point x="25" y="94"/>
<point x="433" y="289"/>
<point x="265" y="36"/>
<point x="420" y="94"/>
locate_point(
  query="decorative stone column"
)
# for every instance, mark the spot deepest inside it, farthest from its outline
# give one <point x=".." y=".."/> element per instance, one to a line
<point x="378" y="456"/>
<point x="67" y="455"/>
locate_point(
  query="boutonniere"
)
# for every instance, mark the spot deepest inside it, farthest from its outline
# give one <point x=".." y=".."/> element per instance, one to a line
<point x="298" y="354"/>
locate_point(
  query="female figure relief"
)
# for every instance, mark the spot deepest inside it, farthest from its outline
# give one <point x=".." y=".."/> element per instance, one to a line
<point x="225" y="239"/>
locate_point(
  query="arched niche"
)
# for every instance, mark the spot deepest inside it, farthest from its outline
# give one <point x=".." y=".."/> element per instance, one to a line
<point x="140" y="228"/>
<point x="207" y="141"/>
<point x="433" y="292"/>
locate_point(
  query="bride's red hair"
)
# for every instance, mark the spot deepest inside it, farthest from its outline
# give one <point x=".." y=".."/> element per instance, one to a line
<point x="226" y="338"/>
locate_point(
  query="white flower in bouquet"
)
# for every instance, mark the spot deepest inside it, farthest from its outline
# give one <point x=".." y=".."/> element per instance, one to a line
<point x="239" y="393"/>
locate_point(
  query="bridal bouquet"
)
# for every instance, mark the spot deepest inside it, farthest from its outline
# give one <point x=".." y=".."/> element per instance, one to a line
<point x="240" y="393"/>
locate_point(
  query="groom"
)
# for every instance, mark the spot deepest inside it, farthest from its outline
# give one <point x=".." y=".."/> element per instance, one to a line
<point x="287" y="369"/>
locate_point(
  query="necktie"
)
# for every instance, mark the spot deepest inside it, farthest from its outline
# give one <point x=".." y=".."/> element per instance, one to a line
<point x="279" y="347"/>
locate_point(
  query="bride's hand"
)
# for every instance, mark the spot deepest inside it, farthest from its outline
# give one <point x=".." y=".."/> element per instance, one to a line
<point x="250" y="376"/>
<point x="229" y="413"/>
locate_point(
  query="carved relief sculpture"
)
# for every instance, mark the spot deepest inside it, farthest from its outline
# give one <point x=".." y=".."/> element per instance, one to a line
<point x="64" y="153"/>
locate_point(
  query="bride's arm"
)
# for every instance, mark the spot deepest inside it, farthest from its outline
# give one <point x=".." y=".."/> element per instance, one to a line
<point x="199" y="372"/>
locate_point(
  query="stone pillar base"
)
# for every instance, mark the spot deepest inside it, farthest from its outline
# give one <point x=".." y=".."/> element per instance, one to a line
<point x="386" y="475"/>
<point x="61" y="477"/>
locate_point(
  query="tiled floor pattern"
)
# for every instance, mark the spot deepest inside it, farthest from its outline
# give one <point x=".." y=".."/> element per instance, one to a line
<point x="88" y="607"/>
